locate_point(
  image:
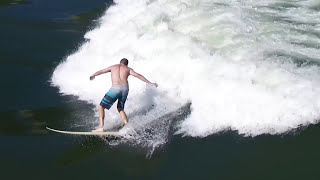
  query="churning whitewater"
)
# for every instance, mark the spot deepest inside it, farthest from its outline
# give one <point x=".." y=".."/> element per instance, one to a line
<point x="249" y="66"/>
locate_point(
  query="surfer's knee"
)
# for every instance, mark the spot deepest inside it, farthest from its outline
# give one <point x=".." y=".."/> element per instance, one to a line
<point x="120" y="109"/>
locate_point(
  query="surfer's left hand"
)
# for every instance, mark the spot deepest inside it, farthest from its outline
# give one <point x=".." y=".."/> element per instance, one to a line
<point x="154" y="84"/>
<point x="92" y="77"/>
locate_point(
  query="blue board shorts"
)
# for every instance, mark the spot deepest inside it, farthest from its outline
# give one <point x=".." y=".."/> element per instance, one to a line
<point x="116" y="92"/>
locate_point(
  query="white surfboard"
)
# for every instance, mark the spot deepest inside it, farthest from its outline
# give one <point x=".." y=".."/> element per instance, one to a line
<point x="104" y="133"/>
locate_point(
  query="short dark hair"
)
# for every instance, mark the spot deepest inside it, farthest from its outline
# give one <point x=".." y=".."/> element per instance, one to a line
<point x="124" y="61"/>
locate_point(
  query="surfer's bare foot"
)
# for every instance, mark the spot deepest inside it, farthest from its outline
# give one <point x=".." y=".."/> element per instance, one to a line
<point x="99" y="129"/>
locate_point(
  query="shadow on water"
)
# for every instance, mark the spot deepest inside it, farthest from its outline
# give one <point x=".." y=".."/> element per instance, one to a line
<point x="85" y="148"/>
<point x="34" y="122"/>
<point x="82" y="17"/>
<point x="13" y="2"/>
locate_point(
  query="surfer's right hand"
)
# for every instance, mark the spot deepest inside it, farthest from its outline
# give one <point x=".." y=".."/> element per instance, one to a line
<point x="92" y="77"/>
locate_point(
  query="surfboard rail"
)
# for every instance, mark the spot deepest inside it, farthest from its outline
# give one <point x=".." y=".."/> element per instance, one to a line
<point x="104" y="133"/>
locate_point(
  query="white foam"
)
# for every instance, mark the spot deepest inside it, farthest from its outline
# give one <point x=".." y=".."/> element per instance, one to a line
<point x="220" y="56"/>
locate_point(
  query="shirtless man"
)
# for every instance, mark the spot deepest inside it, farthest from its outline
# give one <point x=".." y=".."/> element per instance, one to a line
<point x="119" y="90"/>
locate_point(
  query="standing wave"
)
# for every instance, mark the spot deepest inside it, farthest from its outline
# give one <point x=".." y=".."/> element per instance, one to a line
<point x="248" y="66"/>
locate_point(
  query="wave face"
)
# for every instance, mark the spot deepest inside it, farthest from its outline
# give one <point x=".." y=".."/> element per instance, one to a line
<point x="248" y="66"/>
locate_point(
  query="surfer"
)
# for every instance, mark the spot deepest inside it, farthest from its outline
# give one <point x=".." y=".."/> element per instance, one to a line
<point x="119" y="90"/>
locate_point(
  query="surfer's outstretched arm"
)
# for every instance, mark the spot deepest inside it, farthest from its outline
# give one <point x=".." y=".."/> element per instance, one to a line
<point x="106" y="70"/>
<point x="142" y="78"/>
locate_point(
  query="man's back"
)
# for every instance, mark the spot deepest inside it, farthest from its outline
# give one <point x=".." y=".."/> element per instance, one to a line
<point x="119" y="74"/>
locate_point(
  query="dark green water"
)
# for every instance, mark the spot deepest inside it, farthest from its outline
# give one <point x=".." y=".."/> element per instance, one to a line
<point x="35" y="37"/>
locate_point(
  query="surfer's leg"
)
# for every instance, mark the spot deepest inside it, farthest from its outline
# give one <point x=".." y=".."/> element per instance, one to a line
<point x="101" y="116"/>
<point x="124" y="117"/>
<point x="106" y="103"/>
<point x="101" y="119"/>
<point x="121" y="102"/>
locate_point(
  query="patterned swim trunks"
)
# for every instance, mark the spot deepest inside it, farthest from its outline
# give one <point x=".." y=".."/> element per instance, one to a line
<point x="116" y="92"/>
